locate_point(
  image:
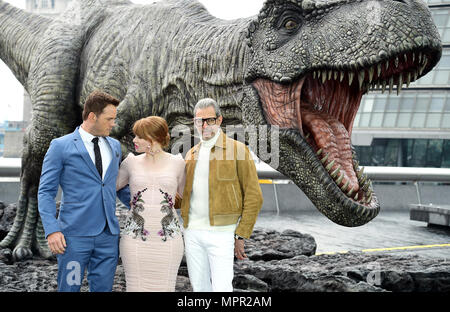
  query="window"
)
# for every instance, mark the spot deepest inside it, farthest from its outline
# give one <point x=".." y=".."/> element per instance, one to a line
<point x="405" y="153"/>
<point x="434" y="153"/>
<point x="445" y="163"/>
<point x="441" y="19"/>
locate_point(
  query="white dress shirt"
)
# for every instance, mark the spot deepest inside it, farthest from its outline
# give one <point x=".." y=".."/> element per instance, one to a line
<point x="103" y="144"/>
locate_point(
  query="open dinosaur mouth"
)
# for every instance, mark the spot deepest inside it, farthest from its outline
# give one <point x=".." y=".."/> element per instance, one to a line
<point x="322" y="105"/>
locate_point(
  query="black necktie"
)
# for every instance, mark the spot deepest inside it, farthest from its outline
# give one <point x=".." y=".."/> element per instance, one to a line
<point x="98" y="156"/>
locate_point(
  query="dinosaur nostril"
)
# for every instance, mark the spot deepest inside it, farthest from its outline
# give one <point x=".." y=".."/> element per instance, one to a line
<point x="402" y="1"/>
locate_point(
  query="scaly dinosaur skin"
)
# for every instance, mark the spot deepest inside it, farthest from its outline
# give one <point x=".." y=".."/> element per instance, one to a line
<point x="300" y="65"/>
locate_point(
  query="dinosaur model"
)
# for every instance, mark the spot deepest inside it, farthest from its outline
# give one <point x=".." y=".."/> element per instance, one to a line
<point x="300" y="66"/>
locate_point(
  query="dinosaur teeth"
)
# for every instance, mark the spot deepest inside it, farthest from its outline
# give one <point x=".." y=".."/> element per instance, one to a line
<point x="349" y="194"/>
<point x="369" y="199"/>
<point x="330" y="165"/>
<point x="361" y="76"/>
<point x="339" y="180"/>
<point x="363" y="180"/>
<point x="373" y="81"/>
<point x="371" y="70"/>
<point x="360" y="173"/>
<point x="323" y="160"/>
<point x="425" y="61"/>
<point x="350" y="78"/>
<point x="400" y="83"/>
<point x="366" y="185"/>
<point x="421" y="70"/>
<point x="344" y="188"/>
<point x="335" y="173"/>
<point x="383" y="86"/>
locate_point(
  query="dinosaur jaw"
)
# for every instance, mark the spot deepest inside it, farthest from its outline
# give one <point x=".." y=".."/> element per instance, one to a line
<point x="322" y="106"/>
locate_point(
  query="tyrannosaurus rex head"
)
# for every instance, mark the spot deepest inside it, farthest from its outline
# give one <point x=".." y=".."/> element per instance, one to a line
<point x="310" y="64"/>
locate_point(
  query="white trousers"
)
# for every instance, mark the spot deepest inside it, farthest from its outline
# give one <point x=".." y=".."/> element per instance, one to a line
<point x="209" y="258"/>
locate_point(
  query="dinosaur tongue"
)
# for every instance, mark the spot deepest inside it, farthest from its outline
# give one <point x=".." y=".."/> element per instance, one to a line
<point x="330" y="135"/>
<point x="315" y="110"/>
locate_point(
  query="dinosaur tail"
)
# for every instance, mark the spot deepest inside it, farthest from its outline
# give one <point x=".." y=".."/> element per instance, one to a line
<point x="19" y="35"/>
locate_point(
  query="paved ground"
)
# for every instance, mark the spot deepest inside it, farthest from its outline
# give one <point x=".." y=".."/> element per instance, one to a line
<point x="389" y="229"/>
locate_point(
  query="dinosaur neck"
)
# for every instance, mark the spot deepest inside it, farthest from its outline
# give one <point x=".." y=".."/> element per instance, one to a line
<point x="19" y="36"/>
<point x="212" y="61"/>
<point x="220" y="50"/>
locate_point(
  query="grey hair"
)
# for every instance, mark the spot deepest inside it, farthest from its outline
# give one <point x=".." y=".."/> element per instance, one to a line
<point x="207" y="102"/>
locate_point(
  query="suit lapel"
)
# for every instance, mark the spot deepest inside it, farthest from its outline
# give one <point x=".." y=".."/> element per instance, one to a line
<point x="79" y="144"/>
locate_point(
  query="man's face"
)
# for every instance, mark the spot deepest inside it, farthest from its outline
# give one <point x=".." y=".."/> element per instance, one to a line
<point x="205" y="130"/>
<point x="105" y="121"/>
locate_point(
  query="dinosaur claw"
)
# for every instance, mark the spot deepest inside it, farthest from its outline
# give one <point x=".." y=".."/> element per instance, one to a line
<point x="21" y="253"/>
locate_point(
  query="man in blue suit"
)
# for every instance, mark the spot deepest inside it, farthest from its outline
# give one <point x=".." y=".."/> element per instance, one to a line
<point x="85" y="164"/>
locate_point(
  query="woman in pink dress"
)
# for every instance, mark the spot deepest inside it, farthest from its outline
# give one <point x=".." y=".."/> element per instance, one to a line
<point x="151" y="244"/>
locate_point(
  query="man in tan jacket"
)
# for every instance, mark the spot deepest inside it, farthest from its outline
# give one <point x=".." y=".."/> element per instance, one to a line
<point x="221" y="201"/>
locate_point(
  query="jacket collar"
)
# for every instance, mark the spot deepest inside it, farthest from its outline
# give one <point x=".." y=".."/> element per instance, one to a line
<point x="78" y="141"/>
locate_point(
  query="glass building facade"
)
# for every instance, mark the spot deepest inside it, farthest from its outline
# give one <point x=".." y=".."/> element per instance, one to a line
<point x="411" y="129"/>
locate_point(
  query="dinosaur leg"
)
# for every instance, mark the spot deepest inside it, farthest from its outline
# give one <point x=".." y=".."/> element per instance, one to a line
<point x="26" y="236"/>
<point x="51" y="84"/>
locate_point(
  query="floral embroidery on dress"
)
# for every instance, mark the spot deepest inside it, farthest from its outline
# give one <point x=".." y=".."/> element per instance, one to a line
<point x="169" y="223"/>
<point x="135" y="222"/>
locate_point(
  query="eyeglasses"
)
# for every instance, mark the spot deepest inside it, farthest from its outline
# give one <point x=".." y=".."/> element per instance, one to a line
<point x="209" y="121"/>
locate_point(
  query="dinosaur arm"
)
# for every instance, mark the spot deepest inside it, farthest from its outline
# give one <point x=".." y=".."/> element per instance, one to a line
<point x="48" y="187"/>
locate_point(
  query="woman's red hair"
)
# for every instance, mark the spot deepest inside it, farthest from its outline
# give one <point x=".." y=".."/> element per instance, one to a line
<point x="153" y="128"/>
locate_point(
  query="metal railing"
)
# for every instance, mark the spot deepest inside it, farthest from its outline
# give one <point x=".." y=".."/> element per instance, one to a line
<point x="10" y="169"/>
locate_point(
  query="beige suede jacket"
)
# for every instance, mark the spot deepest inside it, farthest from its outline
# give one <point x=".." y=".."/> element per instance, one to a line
<point x="234" y="191"/>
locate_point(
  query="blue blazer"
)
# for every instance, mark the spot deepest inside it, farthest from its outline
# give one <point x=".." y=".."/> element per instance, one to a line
<point x="87" y="201"/>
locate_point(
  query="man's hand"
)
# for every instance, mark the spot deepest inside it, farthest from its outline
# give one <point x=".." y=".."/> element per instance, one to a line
<point x="56" y="242"/>
<point x="239" y="249"/>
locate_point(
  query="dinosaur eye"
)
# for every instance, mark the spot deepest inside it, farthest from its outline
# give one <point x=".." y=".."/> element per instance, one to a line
<point x="290" y="25"/>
